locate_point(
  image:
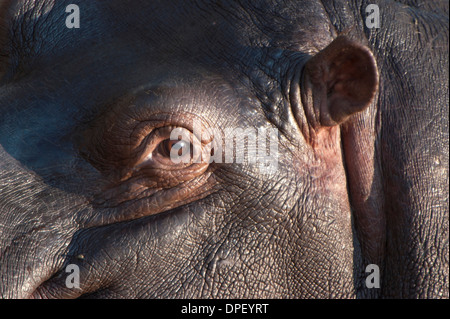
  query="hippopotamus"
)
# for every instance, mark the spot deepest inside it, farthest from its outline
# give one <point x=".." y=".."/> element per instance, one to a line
<point x="224" y="149"/>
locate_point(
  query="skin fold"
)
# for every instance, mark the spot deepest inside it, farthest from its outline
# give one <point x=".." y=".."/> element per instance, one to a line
<point x="361" y="117"/>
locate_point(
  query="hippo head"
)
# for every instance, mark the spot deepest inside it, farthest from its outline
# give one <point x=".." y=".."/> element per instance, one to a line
<point x="171" y="149"/>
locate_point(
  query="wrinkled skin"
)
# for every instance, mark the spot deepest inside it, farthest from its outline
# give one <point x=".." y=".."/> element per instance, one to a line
<point x="362" y="175"/>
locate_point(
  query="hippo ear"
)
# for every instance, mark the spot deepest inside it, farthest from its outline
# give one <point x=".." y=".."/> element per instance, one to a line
<point x="342" y="79"/>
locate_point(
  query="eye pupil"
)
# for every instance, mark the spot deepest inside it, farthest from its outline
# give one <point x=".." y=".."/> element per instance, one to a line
<point x="180" y="145"/>
<point x="167" y="145"/>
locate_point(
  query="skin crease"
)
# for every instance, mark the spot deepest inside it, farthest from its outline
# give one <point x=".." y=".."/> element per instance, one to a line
<point x="361" y="178"/>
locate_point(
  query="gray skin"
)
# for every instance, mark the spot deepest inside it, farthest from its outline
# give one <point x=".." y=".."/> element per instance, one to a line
<point x="362" y="178"/>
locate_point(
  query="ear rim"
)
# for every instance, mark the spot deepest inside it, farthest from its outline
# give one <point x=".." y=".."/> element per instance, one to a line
<point x="332" y="108"/>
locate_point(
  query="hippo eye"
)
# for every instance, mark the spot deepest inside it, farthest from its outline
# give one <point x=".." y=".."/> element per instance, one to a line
<point x="172" y="148"/>
<point x="175" y="149"/>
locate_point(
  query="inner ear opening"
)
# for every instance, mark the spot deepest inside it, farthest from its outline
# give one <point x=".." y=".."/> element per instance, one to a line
<point x="344" y="80"/>
<point x="353" y="76"/>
